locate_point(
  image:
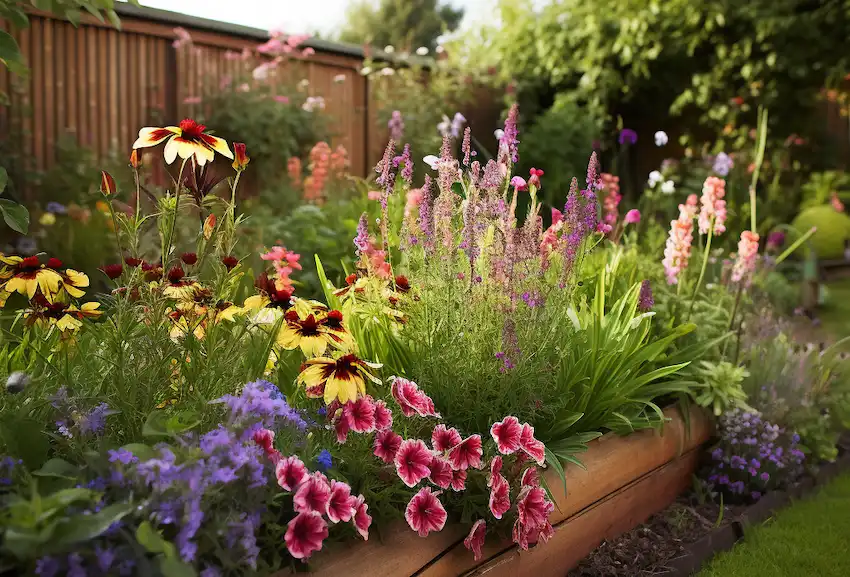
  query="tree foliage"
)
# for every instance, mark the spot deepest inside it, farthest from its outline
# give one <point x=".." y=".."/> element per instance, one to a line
<point x="406" y="24"/>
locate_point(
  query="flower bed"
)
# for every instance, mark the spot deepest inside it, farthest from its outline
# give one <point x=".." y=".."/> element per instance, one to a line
<point x="626" y="479"/>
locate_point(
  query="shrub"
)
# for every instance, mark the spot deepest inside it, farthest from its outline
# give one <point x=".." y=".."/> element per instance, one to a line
<point x="833" y="230"/>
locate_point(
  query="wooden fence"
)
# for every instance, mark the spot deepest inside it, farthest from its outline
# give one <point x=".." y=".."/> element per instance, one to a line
<point x="101" y="84"/>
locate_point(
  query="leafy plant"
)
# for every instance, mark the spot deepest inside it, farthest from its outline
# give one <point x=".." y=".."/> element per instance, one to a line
<point x="721" y="387"/>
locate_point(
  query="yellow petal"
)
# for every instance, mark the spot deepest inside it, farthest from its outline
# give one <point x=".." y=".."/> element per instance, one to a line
<point x="313" y="345"/>
<point x="331" y="392"/>
<point x="256" y="302"/>
<point x="170" y="151"/>
<point x="77" y="278"/>
<point x="217" y="144"/>
<point x="151" y="136"/>
<point x="68" y="323"/>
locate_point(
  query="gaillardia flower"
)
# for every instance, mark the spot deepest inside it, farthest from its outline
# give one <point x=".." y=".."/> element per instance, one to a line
<point x="311" y="334"/>
<point x="186" y="140"/>
<point x="342" y="378"/>
<point x="28" y="275"/>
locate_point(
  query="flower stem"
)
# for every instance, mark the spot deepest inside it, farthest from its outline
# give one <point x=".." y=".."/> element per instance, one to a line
<point x="115" y="230"/>
<point x="787" y="252"/>
<point x="704" y="265"/>
<point x="165" y="255"/>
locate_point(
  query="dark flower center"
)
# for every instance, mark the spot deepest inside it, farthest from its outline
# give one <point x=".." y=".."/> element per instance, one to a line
<point x="191" y="130"/>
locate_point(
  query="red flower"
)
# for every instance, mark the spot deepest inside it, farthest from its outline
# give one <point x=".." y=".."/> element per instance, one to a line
<point x="360" y="415"/>
<point x="495" y="469"/>
<point x="342" y="426"/>
<point x="241" y="159"/>
<point x="314" y="494"/>
<point x="53" y="263"/>
<point x="458" y="480"/>
<point x="443" y="439"/>
<point x="441" y="472"/>
<point x="507" y="433"/>
<point x="189" y="258"/>
<point x="290" y="473"/>
<point x="152" y="271"/>
<point x="341" y="504"/>
<point x="467" y="453"/>
<point x="113" y="271"/>
<point x="383" y="416"/>
<point x="135" y="159"/>
<point x="176" y="274"/>
<point x="475" y="540"/>
<point x="534" y="177"/>
<point x="362" y="519"/>
<point x="530" y="478"/>
<point x="265" y="439"/>
<point x="229" y="262"/>
<point x="412" y="400"/>
<point x="533" y="448"/>
<point x="387" y="444"/>
<point x="132" y="261"/>
<point x="349" y="280"/>
<point x="412" y="461"/>
<point x="425" y="513"/>
<point x="107" y="184"/>
<point x="305" y="533"/>
<point x="533" y="507"/>
<point x="500" y="496"/>
<point x="402" y="284"/>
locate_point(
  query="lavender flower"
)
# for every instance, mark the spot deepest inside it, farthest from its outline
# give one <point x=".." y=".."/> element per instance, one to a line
<point x="510" y="353"/>
<point x="627" y="136"/>
<point x="723" y="163"/>
<point x="426" y="212"/>
<point x="594" y="182"/>
<point x="493" y="177"/>
<point x="95" y="421"/>
<point x="407" y="170"/>
<point x="396" y="126"/>
<point x="46" y="566"/>
<point x="7" y="466"/>
<point x="457" y="124"/>
<point x="509" y="139"/>
<point x="56" y="208"/>
<point x="361" y="241"/>
<point x="465" y="146"/>
<point x="645" y="300"/>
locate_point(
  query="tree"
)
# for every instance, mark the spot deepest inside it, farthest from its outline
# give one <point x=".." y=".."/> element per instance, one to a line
<point x="404" y="24"/>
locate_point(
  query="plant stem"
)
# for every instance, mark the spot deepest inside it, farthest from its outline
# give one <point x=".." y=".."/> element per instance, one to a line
<point x="735" y="307"/>
<point x="179" y="185"/>
<point x="704" y="265"/>
<point x="115" y="230"/>
<point x="787" y="252"/>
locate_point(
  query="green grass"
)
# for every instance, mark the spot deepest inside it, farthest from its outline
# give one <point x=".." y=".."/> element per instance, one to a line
<point x="812" y="537"/>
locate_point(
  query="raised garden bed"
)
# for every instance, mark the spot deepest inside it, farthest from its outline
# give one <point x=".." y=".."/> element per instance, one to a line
<point x="627" y="480"/>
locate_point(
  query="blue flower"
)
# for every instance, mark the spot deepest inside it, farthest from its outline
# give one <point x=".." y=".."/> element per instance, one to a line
<point x="324" y="460"/>
<point x="723" y="163"/>
<point x="56" y="207"/>
<point x="122" y="456"/>
<point x="628" y="136"/>
<point x="46" y="567"/>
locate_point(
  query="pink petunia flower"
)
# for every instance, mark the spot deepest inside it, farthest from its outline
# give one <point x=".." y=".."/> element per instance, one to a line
<point x="290" y="473"/>
<point x="342" y="426"/>
<point x="530" y="478"/>
<point x="305" y="534"/>
<point x="341" y="504"/>
<point x="495" y="469"/>
<point x="387" y="444"/>
<point x="425" y="513"/>
<point x="362" y="520"/>
<point x="383" y="416"/>
<point x="533" y="508"/>
<point x="313" y="494"/>
<point x="467" y="453"/>
<point x="412" y="461"/>
<point x="360" y="415"/>
<point x="443" y="439"/>
<point x="475" y="540"/>
<point x="500" y="496"/>
<point x="265" y="439"/>
<point x="411" y="399"/>
<point x="507" y="433"/>
<point x="458" y="480"/>
<point x="531" y="446"/>
<point x="441" y="472"/>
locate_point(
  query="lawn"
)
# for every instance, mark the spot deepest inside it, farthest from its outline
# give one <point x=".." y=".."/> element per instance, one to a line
<point x="810" y="538"/>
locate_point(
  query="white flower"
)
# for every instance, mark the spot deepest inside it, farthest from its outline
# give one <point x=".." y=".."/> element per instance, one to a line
<point x="669" y="187"/>
<point x="499" y="133"/>
<point x="303" y="84"/>
<point x="387" y="71"/>
<point x="432" y="161"/>
<point x="365" y="71"/>
<point x="440" y="50"/>
<point x="445" y="126"/>
<point x="654" y="178"/>
<point x="339" y="78"/>
<point x="422" y="51"/>
<point x="660" y="138"/>
<point x="389" y="49"/>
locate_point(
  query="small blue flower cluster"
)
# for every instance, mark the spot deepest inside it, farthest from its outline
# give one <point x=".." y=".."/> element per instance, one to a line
<point x="73" y="421"/>
<point x="753" y="456"/>
<point x="7" y="467"/>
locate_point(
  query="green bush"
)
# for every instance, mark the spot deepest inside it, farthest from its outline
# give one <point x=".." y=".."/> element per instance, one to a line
<point x="833" y="230"/>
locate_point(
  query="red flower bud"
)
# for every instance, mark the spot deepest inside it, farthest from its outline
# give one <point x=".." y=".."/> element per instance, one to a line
<point x="54" y="263"/>
<point x="132" y="261"/>
<point x="176" y="274"/>
<point x="113" y="271"/>
<point x="350" y="279"/>
<point x="107" y="184"/>
<point x="136" y="159"/>
<point x="240" y="158"/>
<point x="230" y="262"/>
<point x="189" y="258"/>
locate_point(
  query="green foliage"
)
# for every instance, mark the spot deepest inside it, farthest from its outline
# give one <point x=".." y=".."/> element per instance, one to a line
<point x="403" y="24"/>
<point x="833" y="230"/>
<point x="721" y="387"/>
<point x="821" y="186"/>
<point x="557" y="142"/>
<point x="16" y="216"/>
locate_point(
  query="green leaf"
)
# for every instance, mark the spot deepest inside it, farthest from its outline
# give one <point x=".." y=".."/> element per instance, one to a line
<point x="555" y="463"/>
<point x="10" y="54"/>
<point x="25" y="439"/>
<point x="172" y="567"/>
<point x="15" y="215"/>
<point x="457" y="188"/>
<point x="18" y="18"/>
<point x="4" y="179"/>
<point x="113" y="19"/>
<point x="61" y="499"/>
<point x="85" y="527"/>
<point x="152" y="541"/>
<point x="59" y="468"/>
<point x="160" y="424"/>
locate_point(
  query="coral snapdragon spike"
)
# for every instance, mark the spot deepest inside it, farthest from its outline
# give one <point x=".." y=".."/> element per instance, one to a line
<point x="187" y="140"/>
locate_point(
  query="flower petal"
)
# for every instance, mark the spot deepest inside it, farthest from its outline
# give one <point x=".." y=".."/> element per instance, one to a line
<point x="151" y="136"/>
<point x="217" y="144"/>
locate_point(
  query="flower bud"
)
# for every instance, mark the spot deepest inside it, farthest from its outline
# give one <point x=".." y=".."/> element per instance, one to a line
<point x="240" y="160"/>
<point x="17" y="382"/>
<point x="107" y="184"/>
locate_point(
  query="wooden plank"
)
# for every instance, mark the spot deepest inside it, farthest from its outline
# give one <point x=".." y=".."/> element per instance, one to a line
<point x="125" y="109"/>
<point x="24" y="100"/>
<point x="37" y="66"/>
<point x="71" y="74"/>
<point x="85" y="83"/>
<point x="612" y="462"/>
<point x="61" y="94"/>
<point x="113" y="78"/>
<point x="49" y="95"/>
<point x="99" y="110"/>
<point x="134" y="118"/>
<point x="577" y="536"/>
<point x="5" y="88"/>
<point x="143" y="79"/>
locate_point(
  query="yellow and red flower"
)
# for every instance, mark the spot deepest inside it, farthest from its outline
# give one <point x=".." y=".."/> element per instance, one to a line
<point x="28" y="276"/>
<point x="342" y="378"/>
<point x="312" y="333"/>
<point x="73" y="281"/>
<point x="241" y="161"/>
<point x="186" y="141"/>
<point x="64" y="316"/>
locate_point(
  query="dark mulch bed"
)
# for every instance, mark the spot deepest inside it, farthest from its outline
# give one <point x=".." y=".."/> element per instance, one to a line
<point x="648" y="549"/>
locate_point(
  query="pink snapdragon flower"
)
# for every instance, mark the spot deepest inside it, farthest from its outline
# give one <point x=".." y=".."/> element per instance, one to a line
<point x="748" y="248"/>
<point x="425" y="513"/>
<point x="678" y="249"/>
<point x="713" y="206"/>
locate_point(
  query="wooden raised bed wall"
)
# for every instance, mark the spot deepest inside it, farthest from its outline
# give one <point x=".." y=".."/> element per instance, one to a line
<point x="627" y="480"/>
